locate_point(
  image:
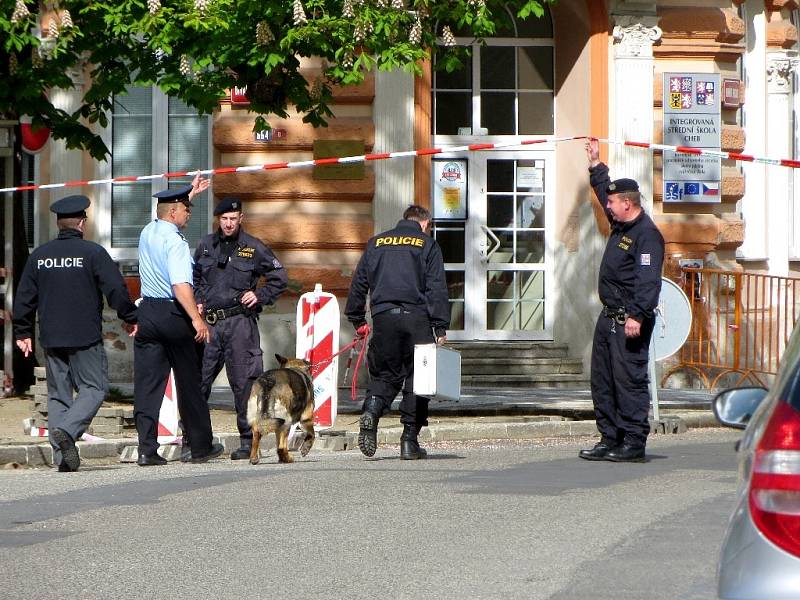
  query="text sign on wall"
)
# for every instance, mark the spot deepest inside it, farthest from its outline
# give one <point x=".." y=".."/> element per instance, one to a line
<point x="239" y="96"/>
<point x="692" y="118"/>
<point x="449" y="189"/>
<point x="730" y="93"/>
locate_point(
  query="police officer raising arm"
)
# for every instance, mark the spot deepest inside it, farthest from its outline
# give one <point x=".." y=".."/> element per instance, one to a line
<point x="170" y="330"/>
<point x="228" y="265"/>
<point x="70" y="324"/>
<point x="629" y="285"/>
<point x="403" y="271"/>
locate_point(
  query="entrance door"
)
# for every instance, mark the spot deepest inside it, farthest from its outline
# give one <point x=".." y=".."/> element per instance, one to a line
<point x="499" y="260"/>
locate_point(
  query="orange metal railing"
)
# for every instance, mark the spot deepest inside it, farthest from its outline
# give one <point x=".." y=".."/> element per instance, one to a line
<point x="741" y="323"/>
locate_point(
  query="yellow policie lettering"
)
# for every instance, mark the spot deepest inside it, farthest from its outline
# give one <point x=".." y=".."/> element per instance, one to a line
<point x="400" y="241"/>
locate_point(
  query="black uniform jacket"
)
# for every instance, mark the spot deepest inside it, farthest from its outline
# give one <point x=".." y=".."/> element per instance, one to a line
<point x="630" y="272"/>
<point x="219" y="280"/>
<point x="65" y="280"/>
<point x="401" y="267"/>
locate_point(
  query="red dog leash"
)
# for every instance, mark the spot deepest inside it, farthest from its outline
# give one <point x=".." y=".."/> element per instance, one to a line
<point x="361" y="338"/>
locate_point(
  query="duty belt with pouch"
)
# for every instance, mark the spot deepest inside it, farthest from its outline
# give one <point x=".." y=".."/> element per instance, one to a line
<point x="617" y="314"/>
<point x="217" y="314"/>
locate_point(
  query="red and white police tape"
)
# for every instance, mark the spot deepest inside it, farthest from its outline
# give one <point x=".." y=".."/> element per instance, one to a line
<point x="780" y="162"/>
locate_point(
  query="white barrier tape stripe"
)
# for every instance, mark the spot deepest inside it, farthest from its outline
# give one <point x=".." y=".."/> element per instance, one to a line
<point x="791" y="163"/>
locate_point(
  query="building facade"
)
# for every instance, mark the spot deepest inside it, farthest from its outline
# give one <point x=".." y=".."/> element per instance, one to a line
<point x="521" y="235"/>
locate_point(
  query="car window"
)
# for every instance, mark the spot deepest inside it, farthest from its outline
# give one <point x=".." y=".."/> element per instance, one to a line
<point x="787" y="382"/>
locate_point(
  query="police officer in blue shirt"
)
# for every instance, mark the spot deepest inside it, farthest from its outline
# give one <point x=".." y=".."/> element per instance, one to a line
<point x="70" y="324"/>
<point x="228" y="265"/>
<point x="629" y="284"/>
<point x="171" y="330"/>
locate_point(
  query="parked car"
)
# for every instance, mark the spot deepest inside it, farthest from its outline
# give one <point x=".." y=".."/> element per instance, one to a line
<point x="760" y="556"/>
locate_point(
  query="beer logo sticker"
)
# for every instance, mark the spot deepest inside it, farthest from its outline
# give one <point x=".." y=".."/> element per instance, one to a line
<point x="451" y="172"/>
<point x="449" y="179"/>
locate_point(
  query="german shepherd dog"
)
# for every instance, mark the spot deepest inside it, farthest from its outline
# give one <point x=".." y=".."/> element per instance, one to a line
<point x="280" y="398"/>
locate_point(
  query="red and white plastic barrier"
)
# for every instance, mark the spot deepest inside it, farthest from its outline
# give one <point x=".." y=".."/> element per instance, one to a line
<point x="317" y="340"/>
<point x="781" y="162"/>
<point x="168" y="414"/>
<point x="288" y="165"/>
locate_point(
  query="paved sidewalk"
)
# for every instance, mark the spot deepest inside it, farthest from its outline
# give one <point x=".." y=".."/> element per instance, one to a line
<point x="479" y="414"/>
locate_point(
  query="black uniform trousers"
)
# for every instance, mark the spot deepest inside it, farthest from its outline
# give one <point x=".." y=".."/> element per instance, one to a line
<point x="391" y="362"/>
<point x="165" y="340"/>
<point x="619" y="382"/>
<point x="236" y="343"/>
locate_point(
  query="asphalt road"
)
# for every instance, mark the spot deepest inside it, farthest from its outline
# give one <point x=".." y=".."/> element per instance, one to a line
<point x="476" y="520"/>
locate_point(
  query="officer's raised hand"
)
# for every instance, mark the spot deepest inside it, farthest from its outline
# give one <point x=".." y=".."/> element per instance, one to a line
<point x="593" y="151"/>
<point x="199" y="185"/>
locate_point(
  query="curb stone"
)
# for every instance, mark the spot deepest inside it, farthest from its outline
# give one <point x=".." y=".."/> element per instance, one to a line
<point x="40" y="454"/>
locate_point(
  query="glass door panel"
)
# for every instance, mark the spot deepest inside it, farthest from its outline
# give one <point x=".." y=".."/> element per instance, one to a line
<point x="498" y="261"/>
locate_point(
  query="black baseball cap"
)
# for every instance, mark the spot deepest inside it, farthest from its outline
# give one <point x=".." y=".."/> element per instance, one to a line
<point x="619" y="186"/>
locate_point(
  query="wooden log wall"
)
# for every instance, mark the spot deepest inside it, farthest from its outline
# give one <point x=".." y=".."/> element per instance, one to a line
<point x="317" y="227"/>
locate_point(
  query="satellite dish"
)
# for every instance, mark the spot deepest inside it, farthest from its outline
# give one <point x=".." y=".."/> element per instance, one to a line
<point x="673" y="320"/>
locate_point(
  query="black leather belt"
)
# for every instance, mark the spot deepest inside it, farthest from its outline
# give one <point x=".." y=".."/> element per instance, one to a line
<point x="217" y="314"/>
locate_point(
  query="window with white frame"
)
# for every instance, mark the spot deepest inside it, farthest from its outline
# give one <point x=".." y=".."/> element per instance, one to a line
<point x="152" y="133"/>
<point x="505" y="86"/>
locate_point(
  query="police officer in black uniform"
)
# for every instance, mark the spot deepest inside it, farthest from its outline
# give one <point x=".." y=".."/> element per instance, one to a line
<point x="403" y="271"/>
<point x="228" y="265"/>
<point x="64" y="281"/>
<point x="629" y="286"/>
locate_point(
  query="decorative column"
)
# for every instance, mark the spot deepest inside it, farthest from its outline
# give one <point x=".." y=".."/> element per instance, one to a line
<point x="754" y="112"/>
<point x="634" y="36"/>
<point x="394" y="130"/>
<point x="66" y="165"/>
<point x="780" y="71"/>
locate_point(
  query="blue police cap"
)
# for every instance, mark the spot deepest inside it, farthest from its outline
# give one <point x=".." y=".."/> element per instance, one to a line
<point x="178" y="194"/>
<point x="229" y="204"/>
<point x="71" y="206"/>
<point x="622" y="185"/>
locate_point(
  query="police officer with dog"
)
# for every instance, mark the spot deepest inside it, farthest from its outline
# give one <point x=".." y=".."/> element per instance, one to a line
<point x="171" y="330"/>
<point x="629" y="286"/>
<point x="228" y="265"/>
<point x="64" y="281"/>
<point x="403" y="271"/>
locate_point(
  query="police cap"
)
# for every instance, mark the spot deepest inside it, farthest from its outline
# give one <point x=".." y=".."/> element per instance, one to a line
<point x="178" y="194"/>
<point x="71" y="206"/>
<point x="226" y="205"/>
<point x="622" y="185"/>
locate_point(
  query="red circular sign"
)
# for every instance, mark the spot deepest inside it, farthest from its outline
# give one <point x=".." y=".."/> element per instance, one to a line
<point x="33" y="140"/>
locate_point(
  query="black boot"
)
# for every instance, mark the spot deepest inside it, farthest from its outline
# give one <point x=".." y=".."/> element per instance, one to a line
<point x="368" y="426"/>
<point x="243" y="451"/>
<point x="599" y="452"/>
<point x="409" y="446"/>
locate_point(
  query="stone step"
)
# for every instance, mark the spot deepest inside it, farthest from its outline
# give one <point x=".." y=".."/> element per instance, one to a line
<point x="510" y="349"/>
<point x="519" y="366"/>
<point x="555" y="380"/>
